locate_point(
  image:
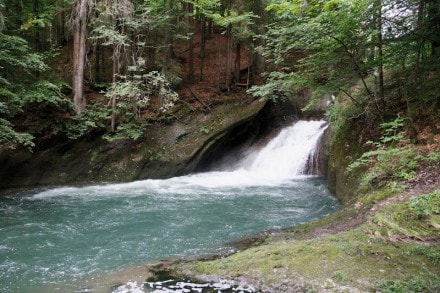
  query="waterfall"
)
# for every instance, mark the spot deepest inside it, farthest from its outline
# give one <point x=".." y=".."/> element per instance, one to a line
<point x="289" y="153"/>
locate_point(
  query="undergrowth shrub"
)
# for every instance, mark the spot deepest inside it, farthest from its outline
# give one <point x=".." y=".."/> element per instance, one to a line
<point x="418" y="218"/>
<point x="427" y="205"/>
<point x="401" y="286"/>
<point x="94" y="117"/>
<point x="393" y="158"/>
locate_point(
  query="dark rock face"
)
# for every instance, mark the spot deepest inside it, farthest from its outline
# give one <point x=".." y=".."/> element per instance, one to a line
<point x="340" y="149"/>
<point x="197" y="143"/>
<point x="229" y="148"/>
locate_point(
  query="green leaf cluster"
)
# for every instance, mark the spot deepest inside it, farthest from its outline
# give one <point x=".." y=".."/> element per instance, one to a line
<point x="390" y="161"/>
<point x="19" y="89"/>
<point x="93" y="118"/>
<point x="426" y="206"/>
<point x="127" y="131"/>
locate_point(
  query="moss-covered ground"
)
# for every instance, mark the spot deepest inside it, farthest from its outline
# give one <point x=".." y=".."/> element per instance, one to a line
<point x="395" y="249"/>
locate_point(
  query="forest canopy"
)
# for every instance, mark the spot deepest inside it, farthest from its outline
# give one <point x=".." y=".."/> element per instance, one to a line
<point x="381" y="55"/>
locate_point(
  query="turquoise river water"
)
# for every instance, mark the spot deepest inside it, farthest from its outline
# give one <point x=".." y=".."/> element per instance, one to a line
<point x="52" y="240"/>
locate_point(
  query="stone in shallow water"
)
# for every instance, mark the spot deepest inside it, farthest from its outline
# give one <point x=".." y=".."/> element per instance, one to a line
<point x="183" y="286"/>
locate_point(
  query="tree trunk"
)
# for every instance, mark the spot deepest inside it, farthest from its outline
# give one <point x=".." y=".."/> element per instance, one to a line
<point x="37" y="38"/>
<point x="229" y="58"/>
<point x="79" y="50"/>
<point x="381" y="91"/>
<point x="114" y="73"/>
<point x="237" y="63"/>
<point x="97" y="63"/>
<point x="202" y="44"/>
<point x="434" y="26"/>
<point x="60" y="21"/>
<point x="168" y="53"/>
<point x="420" y="16"/>
<point x="190" y="21"/>
<point x="80" y="17"/>
<point x="209" y="30"/>
<point x="18" y="14"/>
<point x="258" y="63"/>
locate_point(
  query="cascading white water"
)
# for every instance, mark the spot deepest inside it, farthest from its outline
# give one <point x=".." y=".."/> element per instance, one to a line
<point x="285" y="157"/>
<point x="68" y="234"/>
<point x="287" y="154"/>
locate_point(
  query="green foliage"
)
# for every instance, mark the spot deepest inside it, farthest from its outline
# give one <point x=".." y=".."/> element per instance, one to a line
<point x="388" y="164"/>
<point x="339" y="276"/>
<point x="166" y="118"/>
<point x="137" y="90"/>
<point x="417" y="218"/>
<point x="17" y="58"/>
<point x="431" y="252"/>
<point x="388" y="161"/>
<point x="315" y="46"/>
<point x="93" y="118"/>
<point x="127" y="131"/>
<point x="11" y="138"/>
<point x="231" y="19"/>
<point x="124" y="26"/>
<point x="425" y="206"/>
<point x="19" y="91"/>
<point x="399" y="286"/>
<point x="46" y="93"/>
<point x="329" y="46"/>
<point x="204" y="130"/>
<point x="278" y="85"/>
<point x="392" y="133"/>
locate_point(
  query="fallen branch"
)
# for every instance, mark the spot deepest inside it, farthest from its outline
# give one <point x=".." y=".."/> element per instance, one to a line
<point x="199" y="100"/>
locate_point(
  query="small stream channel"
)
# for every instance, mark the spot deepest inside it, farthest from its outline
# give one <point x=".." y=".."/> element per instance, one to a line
<point x="52" y="239"/>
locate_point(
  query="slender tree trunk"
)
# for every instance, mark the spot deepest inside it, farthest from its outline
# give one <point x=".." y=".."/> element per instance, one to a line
<point x="168" y="54"/>
<point x="420" y="17"/>
<point x="258" y="63"/>
<point x="114" y="73"/>
<point x="18" y="14"/>
<point x="79" y="50"/>
<point x="190" y="21"/>
<point x="381" y="90"/>
<point x="434" y="26"/>
<point x="97" y="63"/>
<point x="219" y="62"/>
<point x="229" y="58"/>
<point x="237" y="63"/>
<point x="202" y="44"/>
<point x="80" y="17"/>
<point x="209" y="30"/>
<point x="60" y="22"/>
<point x="37" y="36"/>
